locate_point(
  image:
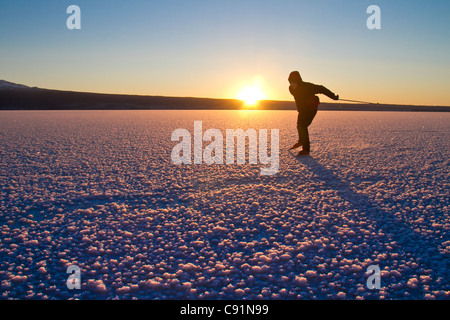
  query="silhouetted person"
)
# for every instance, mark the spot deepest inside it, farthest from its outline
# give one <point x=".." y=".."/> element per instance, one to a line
<point x="307" y="102"/>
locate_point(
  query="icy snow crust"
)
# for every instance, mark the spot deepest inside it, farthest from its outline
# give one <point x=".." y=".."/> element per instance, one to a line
<point x="98" y="189"/>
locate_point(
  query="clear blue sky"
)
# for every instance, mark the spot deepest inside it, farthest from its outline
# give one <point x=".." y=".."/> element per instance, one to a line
<point x="214" y="48"/>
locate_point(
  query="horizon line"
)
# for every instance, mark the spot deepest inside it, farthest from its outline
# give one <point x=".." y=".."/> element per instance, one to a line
<point x="214" y="98"/>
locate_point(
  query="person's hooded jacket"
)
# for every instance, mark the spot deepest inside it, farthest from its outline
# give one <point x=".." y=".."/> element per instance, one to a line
<point x="305" y="93"/>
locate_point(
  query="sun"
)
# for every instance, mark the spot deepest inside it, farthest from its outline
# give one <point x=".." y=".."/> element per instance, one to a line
<point x="251" y="95"/>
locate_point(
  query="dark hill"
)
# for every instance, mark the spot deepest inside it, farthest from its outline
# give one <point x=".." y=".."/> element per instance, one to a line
<point x="25" y="98"/>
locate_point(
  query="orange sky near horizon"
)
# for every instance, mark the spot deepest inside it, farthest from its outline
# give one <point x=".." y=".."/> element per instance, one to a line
<point x="275" y="87"/>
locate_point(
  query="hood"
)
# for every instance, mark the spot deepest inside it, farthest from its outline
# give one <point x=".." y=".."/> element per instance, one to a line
<point x="295" y="77"/>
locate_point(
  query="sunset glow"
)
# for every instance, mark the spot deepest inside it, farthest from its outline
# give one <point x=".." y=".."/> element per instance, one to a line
<point x="251" y="95"/>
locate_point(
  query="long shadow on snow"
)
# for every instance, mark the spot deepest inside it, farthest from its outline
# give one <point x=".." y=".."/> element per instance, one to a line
<point x="424" y="249"/>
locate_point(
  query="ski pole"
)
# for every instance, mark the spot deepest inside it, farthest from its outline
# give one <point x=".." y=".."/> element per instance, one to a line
<point x="357" y="101"/>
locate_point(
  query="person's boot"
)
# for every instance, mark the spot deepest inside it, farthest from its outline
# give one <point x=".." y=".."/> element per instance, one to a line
<point x="303" y="153"/>
<point x="295" y="146"/>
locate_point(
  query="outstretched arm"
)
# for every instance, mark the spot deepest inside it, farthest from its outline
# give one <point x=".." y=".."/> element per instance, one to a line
<point x="325" y="91"/>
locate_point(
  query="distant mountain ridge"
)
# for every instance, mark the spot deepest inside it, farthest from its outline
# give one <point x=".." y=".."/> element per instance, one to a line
<point x="15" y="96"/>
<point x="6" y="85"/>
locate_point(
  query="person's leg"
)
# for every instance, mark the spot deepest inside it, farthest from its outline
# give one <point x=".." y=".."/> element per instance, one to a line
<point x="307" y="143"/>
<point x="302" y="135"/>
<point x="304" y="123"/>
<point x="298" y="143"/>
<point x="302" y="128"/>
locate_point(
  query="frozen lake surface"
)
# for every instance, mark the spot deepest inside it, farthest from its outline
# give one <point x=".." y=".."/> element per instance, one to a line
<point x="98" y="189"/>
